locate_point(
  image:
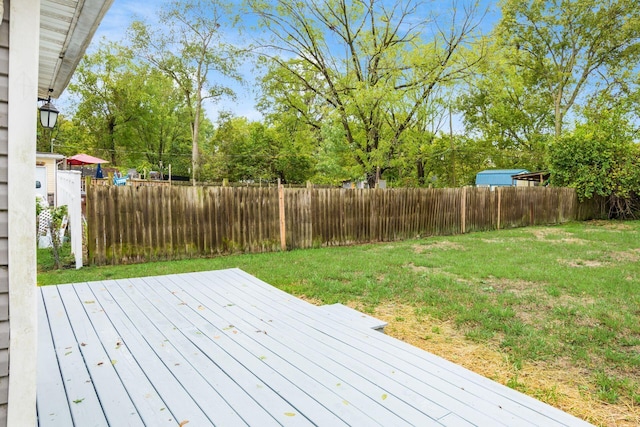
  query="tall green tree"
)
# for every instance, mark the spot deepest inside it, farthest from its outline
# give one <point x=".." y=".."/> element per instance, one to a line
<point x="506" y="106"/>
<point x="573" y="46"/>
<point x="188" y="46"/>
<point x="374" y="64"/>
<point x="160" y="132"/>
<point x="105" y="90"/>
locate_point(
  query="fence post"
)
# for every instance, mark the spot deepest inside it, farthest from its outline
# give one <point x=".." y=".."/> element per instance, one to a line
<point x="499" y="201"/>
<point x="283" y="235"/>
<point x="463" y="211"/>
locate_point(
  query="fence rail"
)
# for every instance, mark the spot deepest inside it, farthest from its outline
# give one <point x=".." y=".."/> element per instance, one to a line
<point x="134" y="224"/>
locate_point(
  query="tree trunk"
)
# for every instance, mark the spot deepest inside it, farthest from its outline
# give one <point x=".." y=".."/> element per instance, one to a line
<point x="420" y="170"/>
<point x="195" y="131"/>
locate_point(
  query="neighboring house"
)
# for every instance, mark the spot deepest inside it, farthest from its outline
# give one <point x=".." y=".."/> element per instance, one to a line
<point x="500" y="178"/>
<point x="41" y="43"/>
<point x="47" y="175"/>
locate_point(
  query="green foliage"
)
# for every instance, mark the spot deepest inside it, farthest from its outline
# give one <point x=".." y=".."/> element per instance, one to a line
<point x="508" y="108"/>
<point x="571" y="46"/>
<point x="58" y="215"/>
<point x="188" y="47"/>
<point x="358" y="65"/>
<point x="600" y="158"/>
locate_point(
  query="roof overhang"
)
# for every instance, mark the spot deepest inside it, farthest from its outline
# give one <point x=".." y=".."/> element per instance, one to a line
<point x="66" y="28"/>
<point x="53" y="156"/>
<point x="540" y="176"/>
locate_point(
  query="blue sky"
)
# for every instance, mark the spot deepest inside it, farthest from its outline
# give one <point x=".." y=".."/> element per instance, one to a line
<point x="123" y="12"/>
<point x="113" y="28"/>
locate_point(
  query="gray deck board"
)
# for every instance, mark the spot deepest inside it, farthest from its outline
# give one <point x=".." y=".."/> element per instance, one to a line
<point x="81" y="395"/>
<point x="346" y="315"/>
<point x="53" y="409"/>
<point x="305" y="389"/>
<point x="149" y="405"/>
<point x="224" y="348"/>
<point x="113" y="396"/>
<point x="204" y="373"/>
<point x="354" y="397"/>
<point x="367" y="358"/>
<point x="159" y="363"/>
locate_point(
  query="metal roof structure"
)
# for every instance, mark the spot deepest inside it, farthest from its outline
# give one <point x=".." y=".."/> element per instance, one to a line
<point x="539" y="176"/>
<point x="498" y="177"/>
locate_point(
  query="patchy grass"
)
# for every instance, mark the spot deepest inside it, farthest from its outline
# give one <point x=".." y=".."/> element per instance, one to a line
<point x="551" y="311"/>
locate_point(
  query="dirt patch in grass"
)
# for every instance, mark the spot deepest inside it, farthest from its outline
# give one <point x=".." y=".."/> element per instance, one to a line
<point x="560" y="237"/>
<point x="609" y="225"/>
<point x="581" y="263"/>
<point x="632" y="255"/>
<point x="558" y="383"/>
<point x="422" y="269"/>
<point x="542" y="233"/>
<point x="443" y="245"/>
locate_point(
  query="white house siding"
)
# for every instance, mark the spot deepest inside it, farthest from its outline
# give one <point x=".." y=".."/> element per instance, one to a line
<point x="49" y="162"/>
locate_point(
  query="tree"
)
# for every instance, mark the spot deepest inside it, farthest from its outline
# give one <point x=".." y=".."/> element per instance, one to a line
<point x="105" y="88"/>
<point x="600" y="158"/>
<point x="572" y="46"/>
<point x="374" y="64"/>
<point x="506" y="106"/>
<point x="239" y="155"/>
<point x="160" y="133"/>
<point x="130" y="111"/>
<point x="187" y="46"/>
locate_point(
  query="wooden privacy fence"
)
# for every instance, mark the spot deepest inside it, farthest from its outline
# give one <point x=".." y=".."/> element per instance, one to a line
<point x="135" y="224"/>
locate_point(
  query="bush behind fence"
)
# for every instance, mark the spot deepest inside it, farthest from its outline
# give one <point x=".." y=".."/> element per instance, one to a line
<point x="136" y="224"/>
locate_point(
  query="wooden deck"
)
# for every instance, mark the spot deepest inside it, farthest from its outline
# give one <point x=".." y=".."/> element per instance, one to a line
<point x="224" y="348"/>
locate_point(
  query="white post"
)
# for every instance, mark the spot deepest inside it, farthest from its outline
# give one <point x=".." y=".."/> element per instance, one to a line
<point x="68" y="189"/>
<point x="24" y="34"/>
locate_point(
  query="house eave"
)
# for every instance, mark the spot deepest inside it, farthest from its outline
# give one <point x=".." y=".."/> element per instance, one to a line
<point x="66" y="29"/>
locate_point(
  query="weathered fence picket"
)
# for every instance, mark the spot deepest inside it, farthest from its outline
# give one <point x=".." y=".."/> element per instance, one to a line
<point x="134" y="224"/>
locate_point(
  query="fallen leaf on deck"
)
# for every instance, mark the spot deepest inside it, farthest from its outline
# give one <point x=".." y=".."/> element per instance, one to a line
<point x="200" y="307"/>
<point x="90" y="302"/>
<point x="83" y="344"/>
<point x="183" y="423"/>
<point x="113" y="362"/>
<point x="78" y="400"/>
<point x="234" y="331"/>
<point x="290" y="414"/>
<point x="68" y="353"/>
<point x="100" y="363"/>
<point x="345" y="402"/>
<point x="384" y="396"/>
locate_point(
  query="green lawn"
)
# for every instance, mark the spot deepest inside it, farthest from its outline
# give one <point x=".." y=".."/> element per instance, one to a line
<point x="540" y="294"/>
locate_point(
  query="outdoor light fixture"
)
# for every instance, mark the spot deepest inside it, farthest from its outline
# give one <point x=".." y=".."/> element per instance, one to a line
<point x="48" y="115"/>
